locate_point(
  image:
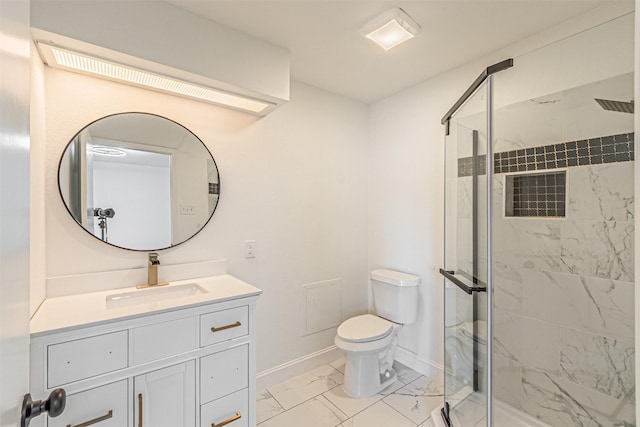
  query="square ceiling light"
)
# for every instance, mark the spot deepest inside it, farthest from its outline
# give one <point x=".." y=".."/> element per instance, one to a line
<point x="66" y="59"/>
<point x="391" y="28"/>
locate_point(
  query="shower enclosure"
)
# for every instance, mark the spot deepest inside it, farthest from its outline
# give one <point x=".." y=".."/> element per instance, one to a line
<point x="538" y="270"/>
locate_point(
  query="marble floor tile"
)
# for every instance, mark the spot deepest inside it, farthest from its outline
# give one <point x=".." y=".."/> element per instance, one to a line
<point x="378" y="415"/>
<point x="405" y="375"/>
<point x="351" y="406"/>
<point x="266" y="406"/>
<point x="317" y="412"/>
<point x="417" y="399"/>
<point x="339" y="364"/>
<point x="303" y="387"/>
<point x="401" y="405"/>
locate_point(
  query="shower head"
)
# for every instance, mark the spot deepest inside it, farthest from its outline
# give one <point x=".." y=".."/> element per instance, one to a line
<point x="617" y="106"/>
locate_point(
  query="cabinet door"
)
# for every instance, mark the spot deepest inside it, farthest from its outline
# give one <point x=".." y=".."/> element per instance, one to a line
<point x="166" y="397"/>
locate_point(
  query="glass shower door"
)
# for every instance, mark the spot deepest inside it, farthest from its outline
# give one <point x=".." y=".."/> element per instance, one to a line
<point x="466" y="263"/>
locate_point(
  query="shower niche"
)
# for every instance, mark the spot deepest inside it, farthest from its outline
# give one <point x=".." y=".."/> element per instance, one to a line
<point x="536" y="195"/>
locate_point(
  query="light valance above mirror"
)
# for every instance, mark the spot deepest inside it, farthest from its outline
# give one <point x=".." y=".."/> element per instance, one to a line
<point x="139" y="181"/>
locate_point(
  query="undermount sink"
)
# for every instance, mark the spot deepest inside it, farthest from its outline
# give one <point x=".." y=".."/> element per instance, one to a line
<point x="149" y="295"/>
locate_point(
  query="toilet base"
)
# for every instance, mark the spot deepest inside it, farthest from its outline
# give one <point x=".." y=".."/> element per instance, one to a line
<point x="362" y="377"/>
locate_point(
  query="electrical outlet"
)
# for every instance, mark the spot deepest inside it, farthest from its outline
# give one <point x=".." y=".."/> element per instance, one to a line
<point x="187" y="210"/>
<point x="249" y="249"/>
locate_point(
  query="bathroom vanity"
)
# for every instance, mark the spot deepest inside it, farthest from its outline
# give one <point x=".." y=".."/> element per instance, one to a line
<point x="180" y="355"/>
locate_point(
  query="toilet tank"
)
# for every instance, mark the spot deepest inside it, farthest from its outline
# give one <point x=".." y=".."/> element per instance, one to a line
<point x="395" y="295"/>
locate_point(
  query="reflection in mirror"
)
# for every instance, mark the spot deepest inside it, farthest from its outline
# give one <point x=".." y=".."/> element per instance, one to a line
<point x="138" y="181"/>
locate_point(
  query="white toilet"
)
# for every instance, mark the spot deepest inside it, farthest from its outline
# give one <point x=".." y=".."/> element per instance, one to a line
<point x="370" y="340"/>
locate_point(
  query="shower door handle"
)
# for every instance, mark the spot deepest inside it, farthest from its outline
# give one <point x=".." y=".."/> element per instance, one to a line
<point x="450" y="275"/>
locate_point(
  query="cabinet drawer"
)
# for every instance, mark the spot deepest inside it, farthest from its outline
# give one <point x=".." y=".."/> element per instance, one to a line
<point x="224" y="325"/>
<point x="104" y="406"/>
<point x="224" y="373"/>
<point x="164" y="339"/>
<point x="226" y="409"/>
<point x="75" y="360"/>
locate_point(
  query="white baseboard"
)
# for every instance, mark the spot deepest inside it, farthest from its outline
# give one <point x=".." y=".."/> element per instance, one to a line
<point x="295" y="367"/>
<point x="418" y="364"/>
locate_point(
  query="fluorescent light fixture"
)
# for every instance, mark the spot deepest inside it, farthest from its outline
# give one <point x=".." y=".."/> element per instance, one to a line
<point x="391" y="28"/>
<point x="66" y="59"/>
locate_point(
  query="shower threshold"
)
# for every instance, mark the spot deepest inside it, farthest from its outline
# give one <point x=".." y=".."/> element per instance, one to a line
<point x="471" y="411"/>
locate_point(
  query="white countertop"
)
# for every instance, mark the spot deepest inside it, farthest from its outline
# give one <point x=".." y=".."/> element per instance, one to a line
<point x="87" y="309"/>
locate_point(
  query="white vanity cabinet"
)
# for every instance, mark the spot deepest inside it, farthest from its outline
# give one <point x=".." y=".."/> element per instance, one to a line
<point x="187" y="366"/>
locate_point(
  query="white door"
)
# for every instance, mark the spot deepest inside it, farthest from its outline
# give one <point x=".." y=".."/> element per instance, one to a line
<point x="166" y="397"/>
<point x="14" y="208"/>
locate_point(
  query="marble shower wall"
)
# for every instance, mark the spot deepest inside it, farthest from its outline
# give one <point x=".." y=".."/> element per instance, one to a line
<point x="563" y="311"/>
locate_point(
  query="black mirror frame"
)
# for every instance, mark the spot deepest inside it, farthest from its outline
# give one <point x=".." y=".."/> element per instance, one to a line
<point x="121" y="247"/>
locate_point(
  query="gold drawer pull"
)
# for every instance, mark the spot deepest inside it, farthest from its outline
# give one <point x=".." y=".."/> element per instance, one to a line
<point x="94" y="421"/>
<point x="236" y="417"/>
<point x="139" y="409"/>
<point x="222" y="328"/>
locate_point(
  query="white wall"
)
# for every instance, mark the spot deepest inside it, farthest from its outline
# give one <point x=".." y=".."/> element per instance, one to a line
<point x="293" y="181"/>
<point x="406" y="157"/>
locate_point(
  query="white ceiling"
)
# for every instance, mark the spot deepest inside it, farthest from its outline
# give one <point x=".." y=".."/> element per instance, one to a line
<point x="328" y="52"/>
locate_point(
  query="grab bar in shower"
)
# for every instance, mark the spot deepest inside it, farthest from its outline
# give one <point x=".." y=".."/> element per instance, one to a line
<point x="478" y="285"/>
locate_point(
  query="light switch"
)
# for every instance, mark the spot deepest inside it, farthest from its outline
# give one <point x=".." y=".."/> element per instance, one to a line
<point x="249" y="249"/>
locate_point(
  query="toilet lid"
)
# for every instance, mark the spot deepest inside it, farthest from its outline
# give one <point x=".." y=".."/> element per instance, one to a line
<point x="364" y="328"/>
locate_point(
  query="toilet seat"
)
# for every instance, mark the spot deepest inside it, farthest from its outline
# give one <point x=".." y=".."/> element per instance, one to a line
<point x="364" y="328"/>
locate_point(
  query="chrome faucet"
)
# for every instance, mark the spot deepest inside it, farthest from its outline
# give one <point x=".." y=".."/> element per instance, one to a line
<point x="152" y="273"/>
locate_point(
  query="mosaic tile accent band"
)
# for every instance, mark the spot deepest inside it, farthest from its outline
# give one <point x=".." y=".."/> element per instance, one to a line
<point x="606" y="149"/>
<point x="214" y="188"/>
<point x="539" y="195"/>
<point x="465" y="166"/>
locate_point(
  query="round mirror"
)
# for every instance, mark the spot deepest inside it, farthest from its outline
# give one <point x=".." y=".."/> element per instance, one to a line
<point x="138" y="181"/>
